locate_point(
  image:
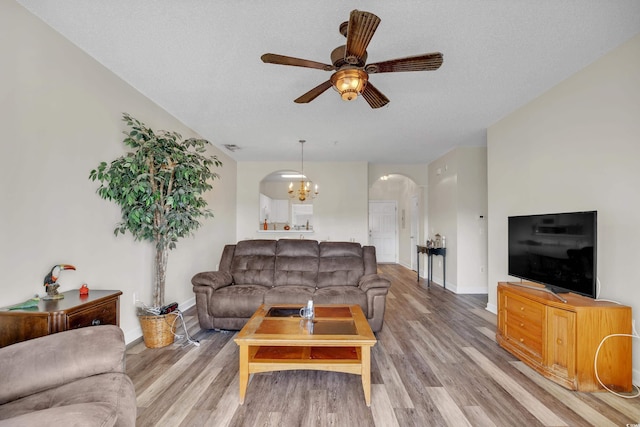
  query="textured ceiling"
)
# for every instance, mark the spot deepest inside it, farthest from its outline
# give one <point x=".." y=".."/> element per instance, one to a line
<point x="200" y="60"/>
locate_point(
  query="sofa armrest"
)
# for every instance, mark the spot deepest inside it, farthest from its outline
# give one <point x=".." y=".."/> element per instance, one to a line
<point x="371" y="281"/>
<point x="42" y="363"/>
<point x="213" y="279"/>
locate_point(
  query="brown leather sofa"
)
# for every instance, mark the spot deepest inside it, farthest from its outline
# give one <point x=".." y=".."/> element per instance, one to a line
<point x="72" y="378"/>
<point x="288" y="271"/>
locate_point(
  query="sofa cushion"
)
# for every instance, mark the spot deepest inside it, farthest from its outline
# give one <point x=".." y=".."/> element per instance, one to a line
<point x="341" y="264"/>
<point x="254" y="262"/>
<point x="341" y="295"/>
<point x="369" y="258"/>
<point x="78" y="354"/>
<point x="99" y="400"/>
<point x="296" y="263"/>
<point x="237" y="300"/>
<point x="76" y="415"/>
<point x="289" y="295"/>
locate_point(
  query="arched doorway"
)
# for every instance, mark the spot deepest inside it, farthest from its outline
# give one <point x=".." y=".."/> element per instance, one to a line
<point x="279" y="208"/>
<point x="394" y="219"/>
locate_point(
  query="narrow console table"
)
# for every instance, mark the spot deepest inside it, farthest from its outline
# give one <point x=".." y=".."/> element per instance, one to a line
<point x="430" y="253"/>
<point x="74" y="311"/>
<point x="559" y="339"/>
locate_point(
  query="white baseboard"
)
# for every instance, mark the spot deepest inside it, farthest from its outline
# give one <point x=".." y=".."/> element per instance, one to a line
<point x="184" y="306"/>
<point x="438" y="281"/>
<point x="136" y="333"/>
<point x="492" y="308"/>
<point x="472" y="290"/>
<point x="453" y="287"/>
<point x="132" y="335"/>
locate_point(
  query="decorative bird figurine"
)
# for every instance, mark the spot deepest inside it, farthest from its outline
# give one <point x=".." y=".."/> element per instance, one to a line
<point x="51" y="281"/>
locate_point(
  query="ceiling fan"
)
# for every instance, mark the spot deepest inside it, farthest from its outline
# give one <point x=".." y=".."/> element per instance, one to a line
<point x="351" y="76"/>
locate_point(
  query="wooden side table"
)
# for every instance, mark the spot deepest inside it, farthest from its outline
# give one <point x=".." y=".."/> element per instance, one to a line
<point x="100" y="307"/>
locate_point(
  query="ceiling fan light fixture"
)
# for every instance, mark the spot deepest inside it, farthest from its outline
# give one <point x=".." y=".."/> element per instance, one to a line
<point x="349" y="82"/>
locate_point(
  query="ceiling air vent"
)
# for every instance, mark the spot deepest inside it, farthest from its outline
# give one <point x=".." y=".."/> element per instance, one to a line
<point x="231" y="147"/>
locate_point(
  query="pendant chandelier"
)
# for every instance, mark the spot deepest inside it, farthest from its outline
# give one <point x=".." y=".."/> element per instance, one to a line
<point x="304" y="190"/>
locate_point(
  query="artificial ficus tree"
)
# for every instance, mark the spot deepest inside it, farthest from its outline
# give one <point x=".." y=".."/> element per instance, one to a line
<point x="159" y="186"/>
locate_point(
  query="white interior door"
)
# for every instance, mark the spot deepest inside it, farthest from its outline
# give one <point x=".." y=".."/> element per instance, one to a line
<point x="383" y="230"/>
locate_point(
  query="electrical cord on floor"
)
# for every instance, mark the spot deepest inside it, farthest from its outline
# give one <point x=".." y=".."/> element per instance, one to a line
<point x="178" y="315"/>
<point x="634" y="334"/>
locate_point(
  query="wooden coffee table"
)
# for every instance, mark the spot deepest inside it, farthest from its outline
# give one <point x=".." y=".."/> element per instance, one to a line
<point x="276" y="338"/>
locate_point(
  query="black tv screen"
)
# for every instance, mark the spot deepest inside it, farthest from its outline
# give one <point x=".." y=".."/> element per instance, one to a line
<point x="556" y="250"/>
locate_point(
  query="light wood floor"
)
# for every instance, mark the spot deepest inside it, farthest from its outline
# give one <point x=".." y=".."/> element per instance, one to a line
<point x="436" y="363"/>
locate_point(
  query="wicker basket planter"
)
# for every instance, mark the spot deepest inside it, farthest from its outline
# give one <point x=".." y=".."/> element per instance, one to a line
<point x="158" y="331"/>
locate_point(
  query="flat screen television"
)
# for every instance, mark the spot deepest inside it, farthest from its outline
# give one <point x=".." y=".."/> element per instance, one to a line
<point x="556" y="250"/>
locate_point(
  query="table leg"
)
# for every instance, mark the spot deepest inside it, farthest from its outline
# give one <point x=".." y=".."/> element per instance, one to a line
<point x="366" y="373"/>
<point x="444" y="272"/>
<point x="244" y="371"/>
<point x="418" y="262"/>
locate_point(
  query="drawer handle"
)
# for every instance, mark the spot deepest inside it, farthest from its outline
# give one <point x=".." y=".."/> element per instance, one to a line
<point x="559" y="341"/>
<point x="521" y="325"/>
<point x="95" y="322"/>
<point x="521" y="308"/>
<point x="521" y="339"/>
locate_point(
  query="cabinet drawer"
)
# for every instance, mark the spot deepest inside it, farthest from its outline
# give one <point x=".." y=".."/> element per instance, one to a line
<point x="528" y="326"/>
<point x="103" y="314"/>
<point x="523" y="324"/>
<point x="524" y="339"/>
<point x="524" y="311"/>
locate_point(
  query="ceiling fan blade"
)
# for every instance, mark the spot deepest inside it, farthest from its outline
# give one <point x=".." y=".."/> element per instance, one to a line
<point x="362" y="26"/>
<point x="426" y="62"/>
<point x="313" y="93"/>
<point x="272" y="58"/>
<point x="374" y="97"/>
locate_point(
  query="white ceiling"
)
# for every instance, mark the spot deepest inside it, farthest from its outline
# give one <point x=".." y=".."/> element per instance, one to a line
<point x="200" y="60"/>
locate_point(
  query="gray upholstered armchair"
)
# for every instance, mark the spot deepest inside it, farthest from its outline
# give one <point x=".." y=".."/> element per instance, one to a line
<point x="72" y="378"/>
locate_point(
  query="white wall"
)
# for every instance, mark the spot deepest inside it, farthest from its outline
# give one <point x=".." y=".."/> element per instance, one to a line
<point x="472" y="220"/>
<point x="443" y="216"/>
<point x="416" y="172"/>
<point x="576" y="148"/>
<point x="340" y="212"/>
<point x="61" y="115"/>
<point x="457" y="199"/>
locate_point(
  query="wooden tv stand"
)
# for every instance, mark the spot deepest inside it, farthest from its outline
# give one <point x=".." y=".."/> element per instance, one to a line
<point x="559" y="340"/>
